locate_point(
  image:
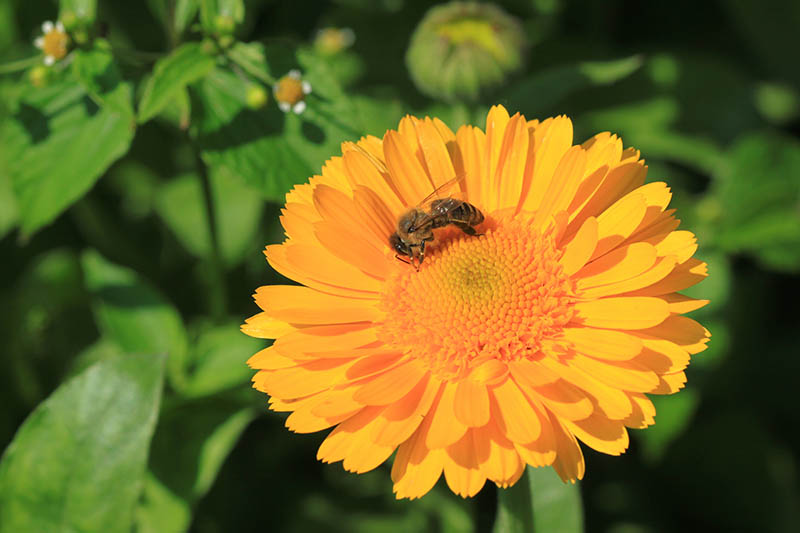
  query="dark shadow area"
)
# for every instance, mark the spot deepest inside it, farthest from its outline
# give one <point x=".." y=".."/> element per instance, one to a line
<point x="34" y="121"/>
<point x="312" y="132"/>
<point x="247" y="126"/>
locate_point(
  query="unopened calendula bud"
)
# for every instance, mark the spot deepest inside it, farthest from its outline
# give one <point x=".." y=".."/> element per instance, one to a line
<point x="462" y="49"/>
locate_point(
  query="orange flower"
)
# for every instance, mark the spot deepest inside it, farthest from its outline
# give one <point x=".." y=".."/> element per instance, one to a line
<point x="503" y="349"/>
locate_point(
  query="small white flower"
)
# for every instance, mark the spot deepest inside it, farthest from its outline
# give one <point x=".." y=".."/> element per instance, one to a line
<point x="290" y="92"/>
<point x="54" y="43"/>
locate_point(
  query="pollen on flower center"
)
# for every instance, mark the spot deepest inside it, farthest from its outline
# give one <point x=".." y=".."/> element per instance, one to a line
<point x="498" y="295"/>
<point x="55" y="43"/>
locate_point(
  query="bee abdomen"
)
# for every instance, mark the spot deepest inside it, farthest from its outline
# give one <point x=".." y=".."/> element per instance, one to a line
<point x="469" y="214"/>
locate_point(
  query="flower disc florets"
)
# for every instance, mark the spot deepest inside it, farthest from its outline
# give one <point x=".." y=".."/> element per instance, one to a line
<point x="494" y="296"/>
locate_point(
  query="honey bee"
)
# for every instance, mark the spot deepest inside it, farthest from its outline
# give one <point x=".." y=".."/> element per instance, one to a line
<point x="415" y="226"/>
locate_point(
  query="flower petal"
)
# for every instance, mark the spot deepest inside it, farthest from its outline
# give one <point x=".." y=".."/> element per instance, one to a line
<point x="625" y="312"/>
<point x="603" y="343"/>
<point x="514" y="414"/>
<point x="407" y="173"/>
<point x="301" y="305"/>
<point x="552" y="139"/>
<point x="461" y="470"/>
<point x="471" y="403"/>
<point x="445" y="428"/>
<point x="392" y="385"/>
<point x="580" y="248"/>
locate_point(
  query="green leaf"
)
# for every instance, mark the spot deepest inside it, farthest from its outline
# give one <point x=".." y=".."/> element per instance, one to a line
<point x="171" y="74"/>
<point x="135" y="316"/>
<point x="191" y="443"/>
<point x="11" y="31"/>
<point x="778" y="103"/>
<point x="269" y="149"/>
<point x="673" y="415"/>
<point x="238" y="141"/>
<point x="556" y="505"/>
<point x="101" y="350"/>
<point x="378" y="114"/>
<point x="251" y="58"/>
<point x="62" y="138"/>
<point x="83" y="10"/>
<point x="78" y="461"/>
<point x="97" y="72"/>
<point x="330" y="119"/>
<point x="185" y="11"/>
<point x="211" y="9"/>
<point x="219" y="358"/>
<point x="759" y="194"/>
<point x="537" y="94"/>
<point x="8" y="204"/>
<point x="648" y="126"/>
<point x="181" y="204"/>
<point x="541" y="502"/>
<point x="607" y="72"/>
<point x="161" y="509"/>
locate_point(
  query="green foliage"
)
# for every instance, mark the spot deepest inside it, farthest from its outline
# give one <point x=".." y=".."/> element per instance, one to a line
<point x="133" y="315"/>
<point x="239" y="141"/>
<point x="142" y="175"/>
<point x="180" y="203"/>
<point x="539" y="502"/>
<point x="555" y="84"/>
<point x="674" y="415"/>
<point x="214" y="12"/>
<point x="59" y="142"/>
<point x="8" y="206"/>
<point x="190" y="446"/>
<point x="83" y="12"/>
<point x="760" y="214"/>
<point x="64" y="468"/>
<point x="171" y="74"/>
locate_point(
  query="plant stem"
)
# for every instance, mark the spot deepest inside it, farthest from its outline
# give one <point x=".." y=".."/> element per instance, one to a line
<point x="514" y="509"/>
<point x="20" y="64"/>
<point x="217" y="292"/>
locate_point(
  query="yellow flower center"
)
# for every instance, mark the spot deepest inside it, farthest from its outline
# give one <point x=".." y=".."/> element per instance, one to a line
<point x="494" y="296"/>
<point x="55" y="43"/>
<point x="289" y="90"/>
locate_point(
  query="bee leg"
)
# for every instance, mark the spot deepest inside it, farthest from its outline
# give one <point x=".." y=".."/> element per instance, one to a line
<point x="466" y="228"/>
<point x="406" y="261"/>
<point x="421" y="253"/>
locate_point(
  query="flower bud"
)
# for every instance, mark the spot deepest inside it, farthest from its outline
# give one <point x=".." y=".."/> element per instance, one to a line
<point x="39" y="76"/>
<point x="330" y="41"/>
<point x="224" y="24"/>
<point x="463" y="49"/>
<point x="256" y="97"/>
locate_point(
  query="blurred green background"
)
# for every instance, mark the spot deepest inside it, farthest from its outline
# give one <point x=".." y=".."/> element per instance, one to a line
<point x="140" y="179"/>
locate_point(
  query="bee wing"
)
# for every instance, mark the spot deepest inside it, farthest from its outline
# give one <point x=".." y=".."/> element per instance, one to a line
<point x="440" y="191"/>
<point x="443" y="209"/>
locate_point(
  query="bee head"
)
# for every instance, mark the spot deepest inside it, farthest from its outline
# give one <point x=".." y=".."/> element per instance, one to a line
<point x="398" y="245"/>
<point x="406" y="224"/>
